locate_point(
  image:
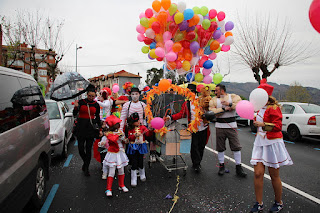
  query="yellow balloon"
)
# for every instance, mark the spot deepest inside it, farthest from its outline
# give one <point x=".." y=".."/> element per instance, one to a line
<point x="151" y="20"/>
<point x="144" y="22"/>
<point x="186" y="65"/>
<point x="158" y="38"/>
<point x="153" y="53"/>
<point x="178" y="18"/>
<point x="217" y="50"/>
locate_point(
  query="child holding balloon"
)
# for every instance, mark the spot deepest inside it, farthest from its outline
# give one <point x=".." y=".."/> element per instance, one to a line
<point x="137" y="147"/>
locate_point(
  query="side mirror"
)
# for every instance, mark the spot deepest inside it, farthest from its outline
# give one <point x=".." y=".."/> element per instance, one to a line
<point x="69" y="114"/>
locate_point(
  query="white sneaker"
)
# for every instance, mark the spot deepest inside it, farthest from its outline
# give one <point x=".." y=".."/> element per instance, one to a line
<point x="109" y="193"/>
<point x="154" y="159"/>
<point x="124" y="189"/>
<point x="142" y="175"/>
<point x="104" y="176"/>
<point x="151" y="158"/>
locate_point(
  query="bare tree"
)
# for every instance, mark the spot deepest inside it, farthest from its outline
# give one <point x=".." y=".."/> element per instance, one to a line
<point x="39" y="32"/>
<point x="265" y="46"/>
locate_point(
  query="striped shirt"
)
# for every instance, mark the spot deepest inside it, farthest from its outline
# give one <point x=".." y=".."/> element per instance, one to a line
<point x="134" y="107"/>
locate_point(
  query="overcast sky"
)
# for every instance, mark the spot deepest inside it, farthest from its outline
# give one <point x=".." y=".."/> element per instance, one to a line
<point x="106" y="29"/>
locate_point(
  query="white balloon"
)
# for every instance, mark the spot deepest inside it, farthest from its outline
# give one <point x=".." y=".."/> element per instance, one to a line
<point x="181" y="71"/>
<point x="182" y="6"/>
<point x="194" y="61"/>
<point x="259" y="98"/>
<point x="221" y="24"/>
<point x="150" y="33"/>
<point x="229" y="40"/>
<point x="201" y="19"/>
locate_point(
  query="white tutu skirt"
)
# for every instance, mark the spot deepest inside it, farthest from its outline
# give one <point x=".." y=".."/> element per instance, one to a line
<point x="274" y="155"/>
<point x="119" y="159"/>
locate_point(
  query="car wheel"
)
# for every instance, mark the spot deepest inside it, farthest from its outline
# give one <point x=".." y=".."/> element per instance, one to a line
<point x="38" y="196"/>
<point x="65" y="148"/>
<point x="293" y="133"/>
<point x="252" y="127"/>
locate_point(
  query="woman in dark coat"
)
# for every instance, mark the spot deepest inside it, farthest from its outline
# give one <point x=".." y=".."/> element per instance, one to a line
<point x="85" y="128"/>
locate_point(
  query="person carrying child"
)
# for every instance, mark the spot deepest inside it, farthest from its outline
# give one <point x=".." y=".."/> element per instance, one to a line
<point x="137" y="147"/>
<point x="116" y="156"/>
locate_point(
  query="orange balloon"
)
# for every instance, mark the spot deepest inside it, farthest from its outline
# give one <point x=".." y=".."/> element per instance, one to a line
<point x="200" y="52"/>
<point x="158" y="38"/>
<point x="214" y="45"/>
<point x="151" y="20"/>
<point x="194" y="21"/>
<point x="165" y="4"/>
<point x="180" y="56"/>
<point x="162" y="17"/>
<point x="171" y="65"/>
<point x="176" y="47"/>
<point x="228" y="34"/>
<point x="156" y="5"/>
<point x="187" y="54"/>
<point x="164" y="85"/>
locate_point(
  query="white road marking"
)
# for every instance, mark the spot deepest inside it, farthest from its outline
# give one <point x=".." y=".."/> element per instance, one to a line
<point x="298" y="191"/>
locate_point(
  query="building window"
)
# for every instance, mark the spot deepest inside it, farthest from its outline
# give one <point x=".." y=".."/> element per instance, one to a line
<point x="27" y="67"/>
<point x="28" y="59"/>
<point x="43" y="72"/>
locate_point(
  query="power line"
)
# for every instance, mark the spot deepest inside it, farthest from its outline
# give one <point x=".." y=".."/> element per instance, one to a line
<point x="113" y="65"/>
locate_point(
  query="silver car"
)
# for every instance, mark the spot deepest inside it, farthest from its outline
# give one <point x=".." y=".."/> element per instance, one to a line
<point x="24" y="141"/>
<point x="61" y="125"/>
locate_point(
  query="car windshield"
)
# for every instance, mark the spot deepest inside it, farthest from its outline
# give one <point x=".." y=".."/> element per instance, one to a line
<point x="53" y="110"/>
<point x="310" y="108"/>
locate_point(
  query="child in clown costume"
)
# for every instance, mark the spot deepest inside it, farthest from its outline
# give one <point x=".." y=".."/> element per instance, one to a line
<point x="269" y="150"/>
<point x="137" y="147"/>
<point x="116" y="156"/>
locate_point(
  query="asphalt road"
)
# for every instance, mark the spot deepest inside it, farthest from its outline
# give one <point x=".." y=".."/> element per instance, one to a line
<point x="71" y="191"/>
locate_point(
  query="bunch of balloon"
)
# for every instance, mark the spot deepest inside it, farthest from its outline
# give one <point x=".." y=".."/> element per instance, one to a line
<point x="186" y="40"/>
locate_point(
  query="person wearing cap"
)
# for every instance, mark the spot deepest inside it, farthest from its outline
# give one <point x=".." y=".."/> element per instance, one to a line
<point x="224" y="105"/>
<point x="126" y="88"/>
<point x="198" y="139"/>
<point x="116" y="157"/>
<point x="133" y="106"/>
<point x="269" y="150"/>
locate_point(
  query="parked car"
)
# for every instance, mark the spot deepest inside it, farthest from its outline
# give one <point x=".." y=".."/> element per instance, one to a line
<point x="300" y="119"/>
<point x="24" y="142"/>
<point x="240" y="120"/>
<point x="61" y="123"/>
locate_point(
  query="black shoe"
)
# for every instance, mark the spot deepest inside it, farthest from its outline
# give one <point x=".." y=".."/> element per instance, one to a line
<point x="197" y="168"/>
<point x="83" y="167"/>
<point x="221" y="169"/>
<point x="240" y="171"/>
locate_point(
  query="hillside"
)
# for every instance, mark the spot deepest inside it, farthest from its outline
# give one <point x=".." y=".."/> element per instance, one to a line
<point x="244" y="89"/>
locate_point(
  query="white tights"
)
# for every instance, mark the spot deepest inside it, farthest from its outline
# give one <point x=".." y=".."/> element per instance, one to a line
<point x="112" y="171"/>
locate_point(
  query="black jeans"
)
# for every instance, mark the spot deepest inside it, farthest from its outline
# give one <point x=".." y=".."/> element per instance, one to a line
<point x="136" y="160"/>
<point x="85" y="148"/>
<point x="198" y="143"/>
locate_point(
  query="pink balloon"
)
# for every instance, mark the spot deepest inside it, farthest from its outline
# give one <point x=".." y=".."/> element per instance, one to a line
<point x="115" y="88"/>
<point x="141" y="37"/>
<point x="142" y="15"/>
<point x="225" y="48"/>
<point x="222" y="39"/>
<point x="170" y="80"/>
<point x="170" y="18"/>
<point x="221" y="15"/>
<point x="157" y="123"/>
<point x="171" y="56"/>
<point x="245" y="109"/>
<point x="159" y="52"/>
<point x="206" y="71"/>
<point x="213" y="56"/>
<point x="207" y="79"/>
<point x="212" y="13"/>
<point x="168" y="44"/>
<point x="140" y="28"/>
<point x="149" y="13"/>
<point x="167" y="36"/>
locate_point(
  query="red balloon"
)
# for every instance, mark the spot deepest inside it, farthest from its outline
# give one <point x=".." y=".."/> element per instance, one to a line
<point x="314" y="14"/>
<point x="190" y="35"/>
<point x="196" y="69"/>
<point x="156" y="27"/>
<point x="172" y="26"/>
<point x="185" y="44"/>
<point x="203" y="42"/>
<point x="179" y="64"/>
<point x="213" y="26"/>
<point x="159" y="59"/>
<point x="147" y="41"/>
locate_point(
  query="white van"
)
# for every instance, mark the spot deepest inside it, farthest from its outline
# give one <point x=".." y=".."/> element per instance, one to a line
<point x="24" y="142"/>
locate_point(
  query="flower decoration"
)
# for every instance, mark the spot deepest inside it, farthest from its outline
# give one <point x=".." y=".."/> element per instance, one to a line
<point x="193" y="126"/>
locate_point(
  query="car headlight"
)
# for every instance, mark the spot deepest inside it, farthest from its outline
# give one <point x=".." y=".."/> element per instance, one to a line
<point x="54" y="137"/>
